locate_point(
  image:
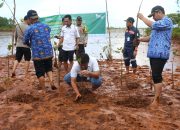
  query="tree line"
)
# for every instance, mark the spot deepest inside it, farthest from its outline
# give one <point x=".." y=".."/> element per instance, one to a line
<point x="6" y="24"/>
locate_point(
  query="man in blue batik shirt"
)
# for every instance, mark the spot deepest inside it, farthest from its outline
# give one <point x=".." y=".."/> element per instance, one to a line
<point x="37" y="36"/>
<point x="159" y="46"/>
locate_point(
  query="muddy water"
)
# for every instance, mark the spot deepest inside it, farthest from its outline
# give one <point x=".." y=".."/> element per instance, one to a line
<point x="95" y="46"/>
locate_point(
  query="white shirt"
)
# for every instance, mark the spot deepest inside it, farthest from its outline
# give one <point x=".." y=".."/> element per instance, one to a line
<point x="19" y="34"/>
<point x="69" y="34"/>
<point x="92" y="67"/>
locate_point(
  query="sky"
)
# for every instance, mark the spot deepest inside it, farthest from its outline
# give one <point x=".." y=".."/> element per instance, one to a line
<point x="119" y="10"/>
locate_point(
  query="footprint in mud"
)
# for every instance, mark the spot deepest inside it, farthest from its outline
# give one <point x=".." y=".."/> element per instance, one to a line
<point x="168" y="126"/>
<point x="165" y="101"/>
<point x="106" y="118"/>
<point x="134" y="102"/>
<point x="18" y="125"/>
<point x="24" y="98"/>
<point x="132" y="85"/>
<point x="2" y="89"/>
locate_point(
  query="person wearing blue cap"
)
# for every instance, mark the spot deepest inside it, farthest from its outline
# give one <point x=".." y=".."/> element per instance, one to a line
<point x="159" y="46"/>
<point x="130" y="47"/>
<point x="21" y="49"/>
<point x="37" y="36"/>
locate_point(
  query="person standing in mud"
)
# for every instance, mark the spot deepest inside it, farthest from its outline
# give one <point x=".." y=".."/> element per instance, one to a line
<point x="37" y="36"/>
<point x="69" y="40"/>
<point x="159" y="46"/>
<point x="83" y="35"/>
<point x="130" y="46"/>
<point x="60" y="56"/>
<point x="21" y="49"/>
<point x="84" y="69"/>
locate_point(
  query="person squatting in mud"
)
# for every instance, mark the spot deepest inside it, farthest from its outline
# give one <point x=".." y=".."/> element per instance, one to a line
<point x="86" y="68"/>
<point x="130" y="45"/>
<point x="37" y="36"/>
<point x="159" y="46"/>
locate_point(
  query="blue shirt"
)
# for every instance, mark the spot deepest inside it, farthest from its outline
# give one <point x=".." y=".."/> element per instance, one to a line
<point x="130" y="34"/>
<point x="160" y="39"/>
<point x="37" y="36"/>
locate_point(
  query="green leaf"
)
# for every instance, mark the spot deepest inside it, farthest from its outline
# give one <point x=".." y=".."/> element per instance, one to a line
<point x="104" y="48"/>
<point x="120" y="49"/>
<point x="9" y="47"/>
<point x="1" y="5"/>
<point x="117" y="51"/>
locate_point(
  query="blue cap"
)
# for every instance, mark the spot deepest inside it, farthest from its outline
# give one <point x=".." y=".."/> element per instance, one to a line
<point x="25" y="17"/>
<point x="156" y="9"/>
<point x="32" y="14"/>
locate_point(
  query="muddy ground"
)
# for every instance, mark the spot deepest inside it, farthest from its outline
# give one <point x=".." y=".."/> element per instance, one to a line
<point x="121" y="103"/>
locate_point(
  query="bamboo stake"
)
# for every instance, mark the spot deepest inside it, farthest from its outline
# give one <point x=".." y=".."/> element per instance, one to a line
<point x="110" y="47"/>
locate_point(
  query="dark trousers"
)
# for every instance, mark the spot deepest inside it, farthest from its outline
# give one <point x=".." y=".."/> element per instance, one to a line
<point x="157" y="66"/>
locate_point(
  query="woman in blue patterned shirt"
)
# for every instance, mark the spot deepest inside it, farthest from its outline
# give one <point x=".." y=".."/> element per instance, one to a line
<point x="159" y="46"/>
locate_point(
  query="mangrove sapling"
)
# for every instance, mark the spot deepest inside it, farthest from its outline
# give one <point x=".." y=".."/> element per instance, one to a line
<point x="107" y="51"/>
<point x="7" y="80"/>
<point x="109" y="32"/>
<point x="121" y="63"/>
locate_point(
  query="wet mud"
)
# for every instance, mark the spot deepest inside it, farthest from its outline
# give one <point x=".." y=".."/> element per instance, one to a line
<point x="121" y="103"/>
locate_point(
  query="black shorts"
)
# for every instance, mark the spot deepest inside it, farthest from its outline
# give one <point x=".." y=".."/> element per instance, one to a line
<point x="60" y="56"/>
<point x="157" y="66"/>
<point x="67" y="55"/>
<point x="22" y="51"/>
<point x="42" y="67"/>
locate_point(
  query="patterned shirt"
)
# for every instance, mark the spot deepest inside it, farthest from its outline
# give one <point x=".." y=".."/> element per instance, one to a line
<point x="160" y="39"/>
<point x="37" y="36"/>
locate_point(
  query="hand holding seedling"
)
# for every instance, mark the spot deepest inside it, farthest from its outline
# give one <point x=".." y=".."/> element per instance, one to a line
<point x="84" y="73"/>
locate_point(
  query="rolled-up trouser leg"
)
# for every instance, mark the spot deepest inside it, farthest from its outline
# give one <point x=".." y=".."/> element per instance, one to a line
<point x="157" y="66"/>
<point x="96" y="82"/>
<point x="127" y="61"/>
<point x="67" y="78"/>
<point x="133" y="62"/>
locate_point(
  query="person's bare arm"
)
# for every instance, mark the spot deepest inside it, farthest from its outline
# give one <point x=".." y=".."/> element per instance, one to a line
<point x="74" y="85"/>
<point x="60" y="41"/>
<point x="145" y="20"/>
<point x="87" y="73"/>
<point x="144" y="39"/>
<point x="77" y="40"/>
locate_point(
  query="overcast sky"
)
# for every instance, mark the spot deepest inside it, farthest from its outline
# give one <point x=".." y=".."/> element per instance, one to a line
<point x="119" y="10"/>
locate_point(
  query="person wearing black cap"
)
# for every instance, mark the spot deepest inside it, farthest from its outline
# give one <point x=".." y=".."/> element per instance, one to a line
<point x="37" y="36"/>
<point x="159" y="46"/>
<point x="83" y="32"/>
<point x="130" y="48"/>
<point x="21" y="49"/>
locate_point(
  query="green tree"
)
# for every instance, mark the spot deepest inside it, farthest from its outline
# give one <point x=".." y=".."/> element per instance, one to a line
<point x="3" y="21"/>
<point x="175" y="18"/>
